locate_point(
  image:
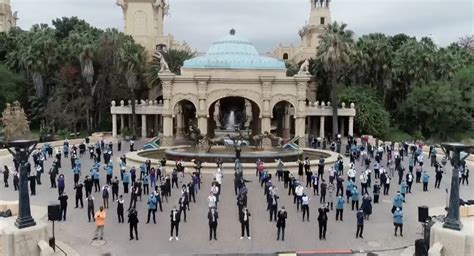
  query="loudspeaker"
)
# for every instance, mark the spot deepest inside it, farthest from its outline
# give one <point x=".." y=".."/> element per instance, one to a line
<point x="423" y="213"/>
<point x="420" y="247"/>
<point x="54" y="213"/>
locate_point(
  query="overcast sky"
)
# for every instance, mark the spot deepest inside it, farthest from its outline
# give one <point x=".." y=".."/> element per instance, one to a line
<point x="268" y="22"/>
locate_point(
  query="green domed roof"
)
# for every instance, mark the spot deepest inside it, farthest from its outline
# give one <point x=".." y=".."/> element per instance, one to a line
<point x="233" y="52"/>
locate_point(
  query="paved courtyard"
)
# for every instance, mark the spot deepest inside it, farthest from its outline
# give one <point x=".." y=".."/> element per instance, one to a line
<point x="193" y="238"/>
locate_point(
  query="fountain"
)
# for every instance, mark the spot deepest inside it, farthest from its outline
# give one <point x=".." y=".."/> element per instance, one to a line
<point x="230" y="125"/>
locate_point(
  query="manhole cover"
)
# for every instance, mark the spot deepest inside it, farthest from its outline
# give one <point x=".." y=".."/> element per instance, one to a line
<point x="98" y="243"/>
<point x="373" y="244"/>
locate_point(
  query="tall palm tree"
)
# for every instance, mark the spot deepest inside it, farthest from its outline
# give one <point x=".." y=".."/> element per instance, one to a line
<point x="334" y="51"/>
<point x="132" y="61"/>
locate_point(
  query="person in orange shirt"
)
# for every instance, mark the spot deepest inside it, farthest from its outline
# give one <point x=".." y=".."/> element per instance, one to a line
<point x="99" y="222"/>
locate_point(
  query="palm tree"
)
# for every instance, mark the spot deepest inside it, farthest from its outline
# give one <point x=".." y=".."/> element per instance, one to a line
<point x="132" y="60"/>
<point x="334" y="51"/>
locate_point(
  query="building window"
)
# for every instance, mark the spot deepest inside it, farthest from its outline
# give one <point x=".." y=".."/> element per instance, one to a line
<point x="285" y="56"/>
<point x="321" y="20"/>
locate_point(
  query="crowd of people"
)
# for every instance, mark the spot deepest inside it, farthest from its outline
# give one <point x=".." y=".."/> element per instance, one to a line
<point x="372" y="171"/>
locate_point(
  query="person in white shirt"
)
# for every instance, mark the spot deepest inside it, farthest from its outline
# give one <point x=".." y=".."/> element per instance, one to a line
<point x="363" y="181"/>
<point x="244" y="217"/>
<point x="351" y="173"/>
<point x="305" y="206"/>
<point x="211" y="200"/>
<point x="215" y="192"/>
<point x="299" y="195"/>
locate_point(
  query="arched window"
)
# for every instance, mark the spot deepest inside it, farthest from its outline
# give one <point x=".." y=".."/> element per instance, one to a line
<point x="285" y="56"/>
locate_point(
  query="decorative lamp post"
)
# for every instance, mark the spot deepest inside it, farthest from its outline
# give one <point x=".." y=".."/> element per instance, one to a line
<point x="452" y="220"/>
<point x="16" y="135"/>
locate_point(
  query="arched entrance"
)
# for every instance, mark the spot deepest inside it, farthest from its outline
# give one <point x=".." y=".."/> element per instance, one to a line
<point x="282" y="122"/>
<point x="184" y="113"/>
<point x="230" y="113"/>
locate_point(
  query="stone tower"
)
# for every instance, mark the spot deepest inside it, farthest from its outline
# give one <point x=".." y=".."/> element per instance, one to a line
<point x="7" y="18"/>
<point x="319" y="16"/>
<point x="144" y="19"/>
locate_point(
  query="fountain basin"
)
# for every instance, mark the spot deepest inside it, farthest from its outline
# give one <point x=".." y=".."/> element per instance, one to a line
<point x="136" y="158"/>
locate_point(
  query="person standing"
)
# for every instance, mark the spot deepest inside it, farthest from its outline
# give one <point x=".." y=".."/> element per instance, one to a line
<point x="133" y="197"/>
<point x="273" y="205"/>
<point x="244" y="216"/>
<point x="175" y="218"/>
<point x="6" y="173"/>
<point x="90" y="207"/>
<point x="298" y="195"/>
<point x="305" y="206"/>
<point x="438" y="176"/>
<point x="182" y="205"/>
<point x="397" y="201"/>
<point x="105" y="196"/>
<point x="96" y="179"/>
<point x="360" y="223"/>
<point x="403" y="189"/>
<point x="61" y="184"/>
<point x="281" y="223"/>
<point x="323" y="221"/>
<point x="398" y="221"/>
<point x="32" y="179"/>
<point x="355" y="197"/>
<point x="115" y="188"/>
<point x="78" y="189"/>
<point x="133" y="222"/>
<point x="340" y="207"/>
<point x="425" y="179"/>
<point x="88" y="185"/>
<point x="151" y="208"/>
<point x="386" y="187"/>
<point x="63" y="205"/>
<point x="366" y="206"/>
<point x="53" y="172"/>
<point x="324" y="186"/>
<point x="125" y="181"/>
<point x="349" y="186"/>
<point x="409" y="178"/>
<point x="212" y="216"/>
<point x="120" y="203"/>
<point x="100" y="223"/>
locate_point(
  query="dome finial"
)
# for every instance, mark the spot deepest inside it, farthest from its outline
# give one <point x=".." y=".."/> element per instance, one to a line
<point x="232" y="32"/>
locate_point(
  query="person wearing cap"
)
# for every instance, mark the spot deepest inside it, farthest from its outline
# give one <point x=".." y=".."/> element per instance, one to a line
<point x="340" y="207"/>
<point x="360" y="223"/>
<point x="244" y="216"/>
<point x="398" y="221"/>
<point x="281" y="223"/>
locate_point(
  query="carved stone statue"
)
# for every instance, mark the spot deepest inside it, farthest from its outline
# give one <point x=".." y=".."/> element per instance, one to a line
<point x="213" y="142"/>
<point x="257" y="139"/>
<point x="304" y="68"/>
<point x="248" y="114"/>
<point x="217" y="109"/>
<point x="15" y="124"/>
<point x="162" y="4"/>
<point x="273" y="137"/>
<point x="122" y="3"/>
<point x="163" y="64"/>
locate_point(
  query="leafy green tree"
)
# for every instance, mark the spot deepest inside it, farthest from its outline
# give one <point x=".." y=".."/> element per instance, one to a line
<point x="174" y="58"/>
<point x="10" y="86"/>
<point x="371" y="117"/>
<point x="334" y="51"/>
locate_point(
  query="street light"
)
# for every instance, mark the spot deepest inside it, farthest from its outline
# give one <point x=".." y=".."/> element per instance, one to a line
<point x="452" y="220"/>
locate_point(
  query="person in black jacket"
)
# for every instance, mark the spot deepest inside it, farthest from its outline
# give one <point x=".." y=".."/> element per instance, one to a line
<point x="174" y="218"/>
<point x="244" y="217"/>
<point x="281" y="223"/>
<point x="212" y="216"/>
<point x="63" y="205"/>
<point x="133" y="222"/>
<point x="78" y="189"/>
<point x="323" y="221"/>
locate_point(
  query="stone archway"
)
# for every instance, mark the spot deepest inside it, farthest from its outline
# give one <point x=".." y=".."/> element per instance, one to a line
<point x="282" y="123"/>
<point x="255" y="97"/>
<point x="184" y="113"/>
<point x="246" y="115"/>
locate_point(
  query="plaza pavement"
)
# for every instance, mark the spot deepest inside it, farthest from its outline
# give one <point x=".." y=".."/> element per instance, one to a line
<point x="77" y="232"/>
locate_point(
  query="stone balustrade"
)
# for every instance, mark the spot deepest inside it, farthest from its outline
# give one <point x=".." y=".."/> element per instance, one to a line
<point x="142" y="107"/>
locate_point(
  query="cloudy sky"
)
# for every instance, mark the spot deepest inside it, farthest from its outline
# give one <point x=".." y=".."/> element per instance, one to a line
<point x="268" y="22"/>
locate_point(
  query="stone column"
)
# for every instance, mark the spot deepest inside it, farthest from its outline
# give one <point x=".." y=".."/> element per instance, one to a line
<point x="167" y="130"/>
<point x="202" y="124"/>
<point x="351" y="126"/>
<point x="342" y="126"/>
<point x="155" y="121"/>
<point x="122" y="123"/>
<point x="266" y="127"/>
<point x="321" y="127"/>
<point x="114" y="125"/>
<point x="144" y="130"/>
<point x="286" y="122"/>
<point x="300" y="130"/>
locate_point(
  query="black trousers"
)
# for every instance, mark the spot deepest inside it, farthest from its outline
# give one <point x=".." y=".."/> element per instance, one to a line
<point x="212" y="230"/>
<point x="282" y="233"/>
<point x="33" y="185"/>
<point x="174" y="225"/>
<point x="96" y="185"/>
<point x="339" y="214"/>
<point x="151" y="211"/>
<point x="125" y="188"/>
<point x="425" y="186"/>
<point x="120" y="216"/>
<point x="174" y="182"/>
<point x="90" y="213"/>
<point x="52" y="179"/>
<point x="145" y="189"/>
<point x="76" y="178"/>
<point x="356" y="203"/>
<point x="79" y="200"/>
<point x="134" y="226"/>
<point x="245" y="226"/>
<point x="305" y="209"/>
<point x="273" y="212"/>
<point x="360" y="230"/>
<point x="386" y="189"/>
<point x="418" y="177"/>
<point x="63" y="211"/>
<point x="322" y="229"/>
<point x="401" y="229"/>
<point x="409" y="186"/>
<point x="437" y="182"/>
